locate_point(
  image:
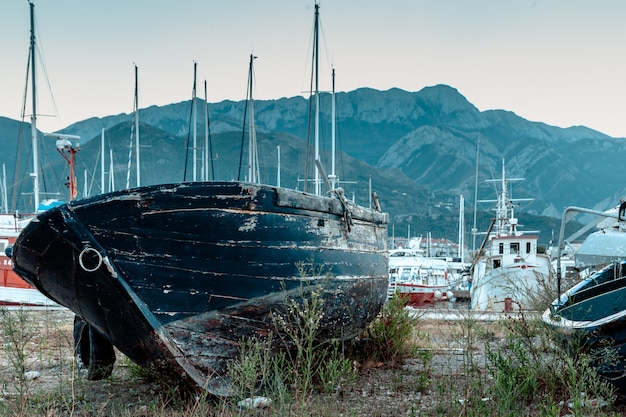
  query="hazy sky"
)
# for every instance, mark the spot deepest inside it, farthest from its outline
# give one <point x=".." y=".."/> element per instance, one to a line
<point x="562" y="62"/>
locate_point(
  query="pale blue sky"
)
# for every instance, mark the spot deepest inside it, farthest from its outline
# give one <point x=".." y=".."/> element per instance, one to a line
<point x="562" y="62"/>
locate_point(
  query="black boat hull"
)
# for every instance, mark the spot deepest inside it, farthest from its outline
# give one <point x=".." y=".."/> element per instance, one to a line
<point x="592" y="316"/>
<point x="176" y="275"/>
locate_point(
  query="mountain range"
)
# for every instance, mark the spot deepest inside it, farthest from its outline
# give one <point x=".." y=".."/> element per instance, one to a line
<point x="418" y="150"/>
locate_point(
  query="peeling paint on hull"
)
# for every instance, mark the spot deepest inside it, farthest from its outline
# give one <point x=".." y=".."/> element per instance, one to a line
<point x="175" y="275"/>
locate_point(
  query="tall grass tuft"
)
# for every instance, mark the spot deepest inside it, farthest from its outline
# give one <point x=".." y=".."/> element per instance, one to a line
<point x="19" y="332"/>
<point x="391" y="333"/>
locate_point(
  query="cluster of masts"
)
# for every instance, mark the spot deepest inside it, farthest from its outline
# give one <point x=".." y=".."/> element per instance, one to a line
<point x="68" y="145"/>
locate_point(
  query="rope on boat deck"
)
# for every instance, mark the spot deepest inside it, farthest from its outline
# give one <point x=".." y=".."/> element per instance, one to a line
<point x="347" y="214"/>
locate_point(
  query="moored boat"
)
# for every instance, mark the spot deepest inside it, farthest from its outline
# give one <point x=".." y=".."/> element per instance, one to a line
<point x="593" y="311"/>
<point x="422" y="280"/>
<point x="508" y="274"/>
<point x="14" y="291"/>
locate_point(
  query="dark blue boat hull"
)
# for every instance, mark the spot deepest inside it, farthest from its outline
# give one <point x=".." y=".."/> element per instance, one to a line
<point x="175" y="275"/>
<point x="592" y="314"/>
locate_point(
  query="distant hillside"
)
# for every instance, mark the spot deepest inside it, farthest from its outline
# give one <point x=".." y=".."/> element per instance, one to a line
<point x="419" y="148"/>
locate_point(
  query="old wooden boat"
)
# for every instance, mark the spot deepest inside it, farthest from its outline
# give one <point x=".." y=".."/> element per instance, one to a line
<point x="176" y="275"/>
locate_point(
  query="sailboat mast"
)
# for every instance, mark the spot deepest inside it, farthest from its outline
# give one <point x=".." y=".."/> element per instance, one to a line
<point x="278" y="169"/>
<point x="195" y="65"/>
<point x="253" y="159"/>
<point x="317" y="98"/>
<point x="5" y="203"/>
<point x="102" y="184"/>
<point x="137" y="126"/>
<point x="474" y="229"/>
<point x="33" y="119"/>
<point x="205" y="160"/>
<point x="111" y="173"/>
<point x="333" y="177"/>
<point x="461" y="250"/>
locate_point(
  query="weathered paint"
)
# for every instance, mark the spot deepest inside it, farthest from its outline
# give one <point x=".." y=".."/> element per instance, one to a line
<point x="189" y="269"/>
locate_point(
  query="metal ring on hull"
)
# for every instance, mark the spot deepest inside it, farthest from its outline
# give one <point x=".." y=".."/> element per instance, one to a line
<point x="89" y="251"/>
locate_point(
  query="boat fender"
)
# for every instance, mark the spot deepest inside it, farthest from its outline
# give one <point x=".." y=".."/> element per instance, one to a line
<point x="94" y="354"/>
<point x="93" y="257"/>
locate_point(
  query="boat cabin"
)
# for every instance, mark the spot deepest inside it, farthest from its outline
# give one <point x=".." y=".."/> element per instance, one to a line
<point x="509" y="250"/>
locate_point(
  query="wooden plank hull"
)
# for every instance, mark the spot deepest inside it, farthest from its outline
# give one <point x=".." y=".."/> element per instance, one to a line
<point x="175" y="275"/>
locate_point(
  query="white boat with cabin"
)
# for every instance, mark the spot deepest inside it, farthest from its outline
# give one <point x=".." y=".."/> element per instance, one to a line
<point x="508" y="274"/>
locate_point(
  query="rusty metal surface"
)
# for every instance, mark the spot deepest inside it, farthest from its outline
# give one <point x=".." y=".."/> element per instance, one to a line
<point x="175" y="275"/>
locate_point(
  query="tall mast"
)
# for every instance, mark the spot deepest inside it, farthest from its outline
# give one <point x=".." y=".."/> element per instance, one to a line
<point x="137" y="126"/>
<point x="278" y="169"/>
<point x="134" y="131"/>
<point x="503" y="210"/>
<point x="205" y="160"/>
<point x="111" y="173"/>
<point x="317" y="97"/>
<point x="253" y="157"/>
<point x="5" y="203"/>
<point x="102" y="184"/>
<point x="474" y="229"/>
<point x="461" y="251"/>
<point x="195" y="65"/>
<point x="333" y="177"/>
<point x="33" y="118"/>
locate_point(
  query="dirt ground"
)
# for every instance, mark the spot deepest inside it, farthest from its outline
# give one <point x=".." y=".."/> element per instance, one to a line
<point x="434" y="382"/>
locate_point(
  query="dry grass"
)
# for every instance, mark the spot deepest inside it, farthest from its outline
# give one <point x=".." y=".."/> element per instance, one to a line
<point x="446" y="374"/>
